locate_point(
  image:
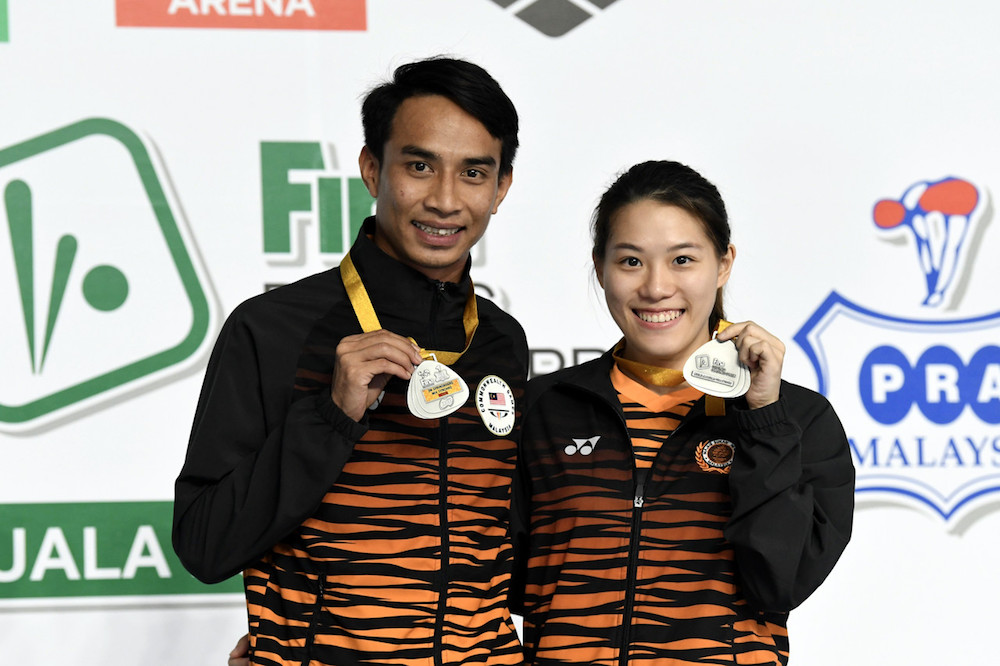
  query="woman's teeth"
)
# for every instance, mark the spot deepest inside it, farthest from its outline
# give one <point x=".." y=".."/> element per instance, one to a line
<point x="659" y="317"/>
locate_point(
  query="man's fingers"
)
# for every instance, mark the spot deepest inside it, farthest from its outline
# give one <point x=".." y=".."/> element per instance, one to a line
<point x="379" y="343"/>
<point x="364" y="373"/>
<point x="364" y="364"/>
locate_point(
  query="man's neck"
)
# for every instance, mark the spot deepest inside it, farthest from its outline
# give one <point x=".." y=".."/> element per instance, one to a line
<point x="451" y="273"/>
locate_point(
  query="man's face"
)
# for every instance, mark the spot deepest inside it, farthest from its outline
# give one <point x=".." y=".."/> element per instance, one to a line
<point x="436" y="187"/>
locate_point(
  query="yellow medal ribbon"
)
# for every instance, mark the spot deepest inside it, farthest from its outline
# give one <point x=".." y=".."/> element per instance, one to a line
<point x="365" y="312"/>
<point x="658" y="376"/>
<point x="648" y="374"/>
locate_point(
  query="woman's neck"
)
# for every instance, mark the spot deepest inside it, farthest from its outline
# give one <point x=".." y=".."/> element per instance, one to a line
<point x="656" y="388"/>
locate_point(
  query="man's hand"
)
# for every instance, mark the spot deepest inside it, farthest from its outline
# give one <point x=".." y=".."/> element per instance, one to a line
<point x="240" y="655"/>
<point x="364" y="365"/>
<point x="764" y="354"/>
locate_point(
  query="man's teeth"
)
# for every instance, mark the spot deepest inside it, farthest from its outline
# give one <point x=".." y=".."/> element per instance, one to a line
<point x="659" y="317"/>
<point x="435" y="231"/>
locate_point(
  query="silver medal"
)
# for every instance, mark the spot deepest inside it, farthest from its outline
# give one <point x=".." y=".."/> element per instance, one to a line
<point x="715" y="369"/>
<point x="435" y="390"/>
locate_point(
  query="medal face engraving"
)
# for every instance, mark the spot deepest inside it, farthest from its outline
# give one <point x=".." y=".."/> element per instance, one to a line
<point x="715" y="369"/>
<point x="495" y="402"/>
<point x="435" y="390"/>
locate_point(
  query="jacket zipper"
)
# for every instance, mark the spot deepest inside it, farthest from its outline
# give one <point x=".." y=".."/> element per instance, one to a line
<point x="638" y="501"/>
<point x="435" y="305"/>
<point x="639" y="498"/>
<point x="445" y="542"/>
<point x="314" y="624"/>
<point x="442" y="440"/>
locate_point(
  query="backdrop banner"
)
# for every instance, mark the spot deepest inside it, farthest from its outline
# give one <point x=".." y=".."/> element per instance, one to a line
<point x="163" y="160"/>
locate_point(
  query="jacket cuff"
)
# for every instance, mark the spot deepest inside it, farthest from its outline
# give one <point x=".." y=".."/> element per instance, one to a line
<point x="338" y="420"/>
<point x="762" y="417"/>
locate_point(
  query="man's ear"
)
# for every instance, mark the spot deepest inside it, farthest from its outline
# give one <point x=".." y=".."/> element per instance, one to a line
<point x="370" y="170"/>
<point x="503" y="184"/>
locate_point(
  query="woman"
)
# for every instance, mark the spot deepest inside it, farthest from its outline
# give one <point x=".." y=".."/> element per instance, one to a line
<point x="656" y="525"/>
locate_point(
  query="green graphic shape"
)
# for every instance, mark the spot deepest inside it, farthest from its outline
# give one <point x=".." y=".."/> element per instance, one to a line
<point x="105" y="287"/>
<point x="17" y="199"/>
<point x="65" y="253"/>
<point x="93" y="549"/>
<point x="280" y="198"/>
<point x="4" y="30"/>
<point x="359" y="205"/>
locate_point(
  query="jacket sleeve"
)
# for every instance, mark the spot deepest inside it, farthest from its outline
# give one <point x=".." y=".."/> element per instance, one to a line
<point x="792" y="485"/>
<point x="253" y="472"/>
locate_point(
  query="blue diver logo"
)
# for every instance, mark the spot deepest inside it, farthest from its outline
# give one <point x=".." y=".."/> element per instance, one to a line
<point x="940" y="218"/>
<point x="919" y="395"/>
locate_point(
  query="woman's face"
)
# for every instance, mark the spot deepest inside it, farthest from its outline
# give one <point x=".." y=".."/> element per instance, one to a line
<point x="660" y="274"/>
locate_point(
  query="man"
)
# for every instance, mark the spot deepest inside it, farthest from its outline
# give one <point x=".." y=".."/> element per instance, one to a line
<point x="371" y="523"/>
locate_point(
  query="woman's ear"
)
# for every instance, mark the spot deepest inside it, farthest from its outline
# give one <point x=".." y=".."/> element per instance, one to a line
<point x="598" y="269"/>
<point x="726" y="265"/>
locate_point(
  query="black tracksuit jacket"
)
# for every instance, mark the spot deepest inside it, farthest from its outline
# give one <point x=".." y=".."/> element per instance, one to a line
<point x="695" y="561"/>
<point x="379" y="542"/>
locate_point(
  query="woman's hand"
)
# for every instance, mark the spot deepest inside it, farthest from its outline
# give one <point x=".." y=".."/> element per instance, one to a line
<point x="763" y="354"/>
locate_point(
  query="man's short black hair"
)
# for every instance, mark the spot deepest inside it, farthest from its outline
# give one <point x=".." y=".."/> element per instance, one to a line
<point x="469" y="86"/>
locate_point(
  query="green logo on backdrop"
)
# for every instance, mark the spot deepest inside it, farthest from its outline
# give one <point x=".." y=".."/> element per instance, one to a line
<point x="96" y="280"/>
<point x="4" y="30"/>
<point x="316" y="196"/>
<point x="98" y="549"/>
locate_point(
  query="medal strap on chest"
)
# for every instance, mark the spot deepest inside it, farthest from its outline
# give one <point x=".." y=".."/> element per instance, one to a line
<point x="658" y="376"/>
<point x="365" y="312"/>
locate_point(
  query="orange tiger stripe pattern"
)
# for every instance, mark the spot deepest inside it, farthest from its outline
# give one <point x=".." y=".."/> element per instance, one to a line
<point x="625" y="562"/>
<point x="406" y="554"/>
<point x="406" y="561"/>
<point x="650" y="417"/>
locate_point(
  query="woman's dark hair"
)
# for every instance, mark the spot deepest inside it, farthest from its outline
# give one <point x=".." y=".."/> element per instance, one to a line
<point x="469" y="86"/>
<point x="670" y="183"/>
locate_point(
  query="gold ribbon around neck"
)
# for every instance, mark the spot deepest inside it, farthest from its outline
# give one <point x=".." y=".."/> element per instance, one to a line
<point x="365" y="312"/>
<point x="648" y="374"/>
<point x="658" y="376"/>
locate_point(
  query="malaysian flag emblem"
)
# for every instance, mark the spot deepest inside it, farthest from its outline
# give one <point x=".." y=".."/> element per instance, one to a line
<point x="495" y="403"/>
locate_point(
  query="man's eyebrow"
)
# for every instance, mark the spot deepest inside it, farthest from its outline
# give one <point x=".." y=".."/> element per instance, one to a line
<point x="487" y="161"/>
<point x="431" y="156"/>
<point x="422" y="153"/>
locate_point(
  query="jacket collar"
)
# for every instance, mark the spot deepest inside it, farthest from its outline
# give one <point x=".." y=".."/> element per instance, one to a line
<point x="408" y="302"/>
<point x="595" y="376"/>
